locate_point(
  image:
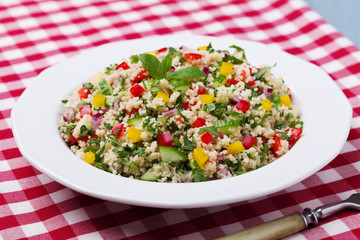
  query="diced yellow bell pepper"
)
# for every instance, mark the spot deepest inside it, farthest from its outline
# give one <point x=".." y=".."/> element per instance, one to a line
<point x="200" y="156"/>
<point x="285" y="100"/>
<point x="99" y="100"/>
<point x="266" y="105"/>
<point x="202" y="48"/>
<point x="152" y="53"/>
<point x="163" y="95"/>
<point x="207" y="98"/>
<point x="226" y="68"/>
<point x="134" y="134"/>
<point x="236" y="147"/>
<point x="90" y="158"/>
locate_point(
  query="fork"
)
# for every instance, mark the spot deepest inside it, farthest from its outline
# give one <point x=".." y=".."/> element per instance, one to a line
<point x="295" y="222"/>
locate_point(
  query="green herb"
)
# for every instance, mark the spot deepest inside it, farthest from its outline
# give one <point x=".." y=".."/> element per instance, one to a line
<point x="279" y="124"/>
<point x="220" y="110"/>
<point x="256" y="106"/>
<point x="86" y="103"/>
<point x="88" y="85"/>
<point x="188" y="145"/>
<point x="185" y="118"/>
<point x="239" y="170"/>
<point x="186" y="73"/>
<point x="220" y="79"/>
<point x="232" y="59"/>
<point x="211" y="129"/>
<point x="197" y="173"/>
<point x="210" y="49"/>
<point x="261" y="122"/>
<point x="174" y="52"/>
<point x="285" y="136"/>
<point x="275" y="98"/>
<point x="134" y="59"/>
<point x="289" y="116"/>
<point x="99" y="166"/>
<point x="64" y="101"/>
<point x="172" y="127"/>
<point x="155" y="89"/>
<point x="110" y="68"/>
<point x="107" y="125"/>
<point x="69" y="128"/>
<point x="239" y="49"/>
<point x="134" y="164"/>
<point x="176" y="142"/>
<point x="294" y="123"/>
<point x="211" y="107"/>
<point x="144" y="84"/>
<point x="263" y="154"/>
<point x="84" y="131"/>
<point x="259" y="75"/>
<point x="105" y="87"/>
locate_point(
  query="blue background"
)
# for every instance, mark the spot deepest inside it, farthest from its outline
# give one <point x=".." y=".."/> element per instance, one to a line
<point x="342" y="14"/>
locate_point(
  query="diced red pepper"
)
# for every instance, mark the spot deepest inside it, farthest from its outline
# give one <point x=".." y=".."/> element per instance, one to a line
<point x="136" y="90"/>
<point x="199" y="122"/>
<point x="207" y="138"/>
<point x="277" y="144"/>
<point x="179" y="119"/>
<point x="195" y="102"/>
<point x="133" y="111"/>
<point x="250" y="70"/>
<point x="249" y="141"/>
<point x="118" y="126"/>
<point x="84" y="139"/>
<point x="192" y="56"/>
<point x="260" y="90"/>
<point x="185" y="105"/>
<point x="72" y="140"/>
<point x="85" y="110"/>
<point x="231" y="82"/>
<point x="243" y="105"/>
<point x="83" y="92"/>
<point x="201" y="90"/>
<point x="243" y="74"/>
<point x="122" y="65"/>
<point x="295" y="136"/>
<point x="162" y="50"/>
<point x="140" y="76"/>
<point x="251" y="83"/>
<point x="165" y="139"/>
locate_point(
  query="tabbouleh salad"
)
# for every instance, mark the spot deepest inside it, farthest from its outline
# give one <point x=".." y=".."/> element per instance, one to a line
<point x="181" y="115"/>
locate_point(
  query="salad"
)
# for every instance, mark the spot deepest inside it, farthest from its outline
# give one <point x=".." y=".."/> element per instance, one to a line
<point x="181" y="115"/>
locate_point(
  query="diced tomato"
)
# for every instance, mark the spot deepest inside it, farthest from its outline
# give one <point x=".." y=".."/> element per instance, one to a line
<point x="136" y="90"/>
<point x="185" y="105"/>
<point x="140" y="76"/>
<point x="243" y="105"/>
<point x="72" y="140"/>
<point x="193" y="104"/>
<point x="250" y="70"/>
<point x="162" y="50"/>
<point x="260" y="90"/>
<point x="83" y="92"/>
<point x="231" y="82"/>
<point x="199" y="122"/>
<point x="207" y="138"/>
<point x="118" y="126"/>
<point x="133" y="111"/>
<point x="169" y="90"/>
<point x="122" y="65"/>
<point x="165" y="139"/>
<point x="192" y="56"/>
<point x="84" y="139"/>
<point x="295" y="136"/>
<point x="179" y="119"/>
<point x="85" y="110"/>
<point x="251" y="83"/>
<point x="243" y="74"/>
<point x="201" y="90"/>
<point x="277" y="144"/>
<point x="249" y="141"/>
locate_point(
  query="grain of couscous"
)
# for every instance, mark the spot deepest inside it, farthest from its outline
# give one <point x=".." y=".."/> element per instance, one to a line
<point x="181" y="115"/>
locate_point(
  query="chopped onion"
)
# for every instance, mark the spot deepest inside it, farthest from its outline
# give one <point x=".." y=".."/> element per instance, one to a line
<point x="184" y="48"/>
<point x="116" y="104"/>
<point x="220" y="157"/>
<point x="206" y="70"/>
<point x="104" y="110"/>
<point x="172" y="69"/>
<point x="96" y="120"/>
<point x="68" y="114"/>
<point x="268" y="91"/>
<point x="170" y="112"/>
<point x="116" y="79"/>
<point x="221" y="135"/>
<point x="236" y="99"/>
<point x="222" y="172"/>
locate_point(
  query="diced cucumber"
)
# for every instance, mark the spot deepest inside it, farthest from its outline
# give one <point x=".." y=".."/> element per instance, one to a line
<point x="169" y="154"/>
<point x="181" y="85"/>
<point x="219" y="81"/>
<point x="105" y="88"/>
<point x="136" y="121"/>
<point x="227" y="126"/>
<point x="109" y="101"/>
<point x="163" y="120"/>
<point x="149" y="175"/>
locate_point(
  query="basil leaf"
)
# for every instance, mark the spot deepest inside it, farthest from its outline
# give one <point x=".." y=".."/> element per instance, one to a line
<point x="166" y="62"/>
<point x="153" y="65"/>
<point x="186" y="73"/>
<point x="211" y="129"/>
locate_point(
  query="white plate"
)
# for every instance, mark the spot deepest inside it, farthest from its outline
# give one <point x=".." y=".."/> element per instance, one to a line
<point x="324" y="109"/>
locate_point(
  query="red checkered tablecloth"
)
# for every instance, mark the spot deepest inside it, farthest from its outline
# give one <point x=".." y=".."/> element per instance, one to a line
<point x="37" y="34"/>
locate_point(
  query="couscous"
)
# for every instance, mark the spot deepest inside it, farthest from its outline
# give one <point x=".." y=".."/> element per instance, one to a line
<point x="181" y="115"/>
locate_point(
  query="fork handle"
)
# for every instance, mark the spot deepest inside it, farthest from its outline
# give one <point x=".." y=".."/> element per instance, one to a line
<point x="274" y="229"/>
